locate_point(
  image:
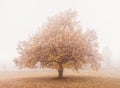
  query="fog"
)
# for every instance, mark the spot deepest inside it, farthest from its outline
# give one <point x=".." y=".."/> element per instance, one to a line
<point x="20" y="18"/>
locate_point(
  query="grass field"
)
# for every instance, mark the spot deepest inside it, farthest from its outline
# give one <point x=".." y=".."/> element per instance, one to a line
<point x="72" y="79"/>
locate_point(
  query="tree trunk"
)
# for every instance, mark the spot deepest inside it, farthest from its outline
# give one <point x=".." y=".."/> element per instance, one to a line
<point x="60" y="72"/>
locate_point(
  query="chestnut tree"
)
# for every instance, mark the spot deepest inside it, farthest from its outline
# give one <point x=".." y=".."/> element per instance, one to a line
<point x="60" y="43"/>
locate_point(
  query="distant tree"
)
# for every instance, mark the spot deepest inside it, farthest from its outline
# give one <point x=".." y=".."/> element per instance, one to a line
<point x="60" y="43"/>
<point x="106" y="56"/>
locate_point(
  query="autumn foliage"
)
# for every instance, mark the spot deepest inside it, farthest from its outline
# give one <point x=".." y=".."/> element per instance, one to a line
<point x="60" y="43"/>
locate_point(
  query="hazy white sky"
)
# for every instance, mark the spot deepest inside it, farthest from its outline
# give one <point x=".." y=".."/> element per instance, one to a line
<point x="20" y="18"/>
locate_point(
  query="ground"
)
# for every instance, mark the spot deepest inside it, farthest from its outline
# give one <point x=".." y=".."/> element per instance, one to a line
<point x="72" y="79"/>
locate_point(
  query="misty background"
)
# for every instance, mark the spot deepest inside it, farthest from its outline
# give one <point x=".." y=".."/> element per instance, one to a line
<point x="21" y="18"/>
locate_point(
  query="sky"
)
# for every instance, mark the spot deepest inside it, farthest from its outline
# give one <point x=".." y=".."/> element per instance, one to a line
<point x="20" y="18"/>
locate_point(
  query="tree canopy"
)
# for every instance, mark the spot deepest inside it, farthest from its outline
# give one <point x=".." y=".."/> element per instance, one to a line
<point x="60" y="43"/>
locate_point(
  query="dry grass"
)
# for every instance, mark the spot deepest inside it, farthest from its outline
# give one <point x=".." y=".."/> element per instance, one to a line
<point x="82" y="79"/>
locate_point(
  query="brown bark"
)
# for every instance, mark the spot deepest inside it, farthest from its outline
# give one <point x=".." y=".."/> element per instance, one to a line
<point x="60" y="72"/>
